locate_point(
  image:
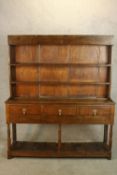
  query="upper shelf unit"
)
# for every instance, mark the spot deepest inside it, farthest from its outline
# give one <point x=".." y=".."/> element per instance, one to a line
<point x="60" y="66"/>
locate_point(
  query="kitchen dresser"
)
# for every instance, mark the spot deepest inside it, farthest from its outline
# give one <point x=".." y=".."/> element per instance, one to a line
<point x="60" y="79"/>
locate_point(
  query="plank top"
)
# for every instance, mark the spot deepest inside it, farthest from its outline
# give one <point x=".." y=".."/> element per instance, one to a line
<point x="106" y="101"/>
<point x="60" y="39"/>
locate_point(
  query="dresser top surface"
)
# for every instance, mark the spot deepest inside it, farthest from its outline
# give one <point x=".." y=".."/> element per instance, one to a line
<point x="61" y="101"/>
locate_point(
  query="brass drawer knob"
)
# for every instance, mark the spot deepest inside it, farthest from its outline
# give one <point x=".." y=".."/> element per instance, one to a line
<point x="59" y="112"/>
<point x="24" y="111"/>
<point x="94" y="112"/>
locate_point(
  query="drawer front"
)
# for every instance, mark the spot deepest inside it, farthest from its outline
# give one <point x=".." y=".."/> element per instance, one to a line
<point x="59" y="110"/>
<point x="95" y="114"/>
<point x="28" y="109"/>
<point x="23" y="113"/>
<point x="95" y="111"/>
<point x="58" y="113"/>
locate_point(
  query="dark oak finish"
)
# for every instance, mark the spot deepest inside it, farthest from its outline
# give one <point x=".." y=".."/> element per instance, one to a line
<point x="60" y="80"/>
<point x="60" y="39"/>
<point x="87" y="150"/>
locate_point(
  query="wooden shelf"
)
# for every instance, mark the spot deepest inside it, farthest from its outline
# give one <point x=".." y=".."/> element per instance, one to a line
<point x="60" y="64"/>
<point x="46" y="149"/>
<point x="59" y="83"/>
<point x="65" y="99"/>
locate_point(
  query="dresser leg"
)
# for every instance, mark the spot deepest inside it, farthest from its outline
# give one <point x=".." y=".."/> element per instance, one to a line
<point x="110" y="157"/>
<point x="14" y="132"/>
<point x="108" y="130"/>
<point x="9" y="136"/>
<point x="105" y="134"/>
<point x="59" y="137"/>
<point x="110" y="133"/>
<point x="8" y="141"/>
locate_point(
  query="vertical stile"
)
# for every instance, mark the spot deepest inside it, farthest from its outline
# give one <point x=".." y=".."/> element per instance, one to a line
<point x="98" y="73"/>
<point x="39" y="51"/>
<point x="109" y="69"/>
<point x="12" y="71"/>
<point x="69" y="61"/>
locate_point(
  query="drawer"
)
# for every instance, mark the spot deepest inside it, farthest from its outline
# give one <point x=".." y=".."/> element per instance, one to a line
<point x="59" y="110"/>
<point x="95" y="111"/>
<point x="26" y="109"/>
<point x="95" y="114"/>
<point x="24" y="113"/>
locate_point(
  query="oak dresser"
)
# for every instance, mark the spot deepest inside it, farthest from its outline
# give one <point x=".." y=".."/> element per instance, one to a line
<point x="60" y="80"/>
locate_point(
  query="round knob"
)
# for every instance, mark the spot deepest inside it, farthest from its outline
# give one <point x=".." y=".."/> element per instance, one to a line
<point x="94" y="112"/>
<point x="60" y="112"/>
<point x="24" y="111"/>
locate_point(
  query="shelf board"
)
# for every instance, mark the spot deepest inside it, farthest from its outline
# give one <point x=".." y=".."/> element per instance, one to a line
<point x="59" y="83"/>
<point x="50" y="149"/>
<point x="60" y="64"/>
<point x="65" y="99"/>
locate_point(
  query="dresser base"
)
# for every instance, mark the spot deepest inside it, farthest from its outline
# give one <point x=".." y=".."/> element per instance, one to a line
<point x="59" y="149"/>
<point x="67" y="150"/>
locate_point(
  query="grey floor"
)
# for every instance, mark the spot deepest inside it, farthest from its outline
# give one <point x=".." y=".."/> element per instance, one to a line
<point x="29" y="166"/>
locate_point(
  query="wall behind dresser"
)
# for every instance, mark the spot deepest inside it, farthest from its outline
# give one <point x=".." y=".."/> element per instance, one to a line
<point x="54" y="17"/>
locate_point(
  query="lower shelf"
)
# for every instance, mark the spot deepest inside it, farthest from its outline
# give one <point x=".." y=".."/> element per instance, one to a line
<point x="45" y="149"/>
